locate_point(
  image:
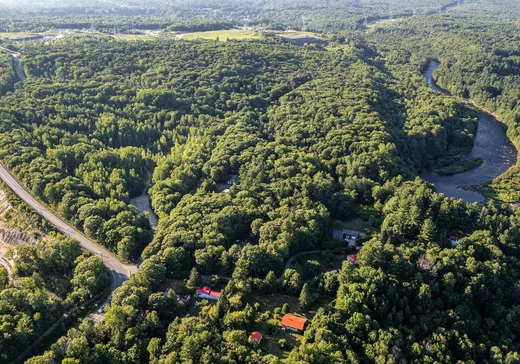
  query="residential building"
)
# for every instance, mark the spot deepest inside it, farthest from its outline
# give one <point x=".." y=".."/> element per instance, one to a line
<point x="207" y="293"/>
<point x="350" y="236"/>
<point x="294" y="323"/>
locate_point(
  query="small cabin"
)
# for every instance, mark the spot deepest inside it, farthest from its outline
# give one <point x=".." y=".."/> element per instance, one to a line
<point x="350" y="236"/>
<point x="294" y="323"/>
<point x="256" y="337"/>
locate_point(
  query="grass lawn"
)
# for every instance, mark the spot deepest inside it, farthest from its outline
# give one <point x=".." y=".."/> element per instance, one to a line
<point x="19" y="35"/>
<point x="328" y="260"/>
<point x="223" y="35"/>
<point x="270" y="341"/>
<point x="176" y="284"/>
<point x="268" y="324"/>
<point x="384" y="23"/>
<point x="135" y="36"/>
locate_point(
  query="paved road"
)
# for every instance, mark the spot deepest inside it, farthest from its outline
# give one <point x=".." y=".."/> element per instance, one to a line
<point x="119" y="271"/>
<point x="7" y="266"/>
<point x="17" y="63"/>
<point x="291" y="260"/>
<point x="18" y="68"/>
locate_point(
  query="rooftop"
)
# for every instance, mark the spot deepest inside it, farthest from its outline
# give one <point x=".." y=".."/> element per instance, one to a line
<point x="256" y="336"/>
<point x="207" y="291"/>
<point x="294" y="321"/>
<point x="341" y="233"/>
<point x="352" y="258"/>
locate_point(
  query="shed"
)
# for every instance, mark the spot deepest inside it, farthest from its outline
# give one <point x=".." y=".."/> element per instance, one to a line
<point x="256" y="336"/>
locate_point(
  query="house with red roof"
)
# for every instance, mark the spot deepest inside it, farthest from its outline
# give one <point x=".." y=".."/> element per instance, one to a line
<point x="352" y="258"/>
<point x="256" y="337"/>
<point x="207" y="293"/>
<point x="294" y="323"/>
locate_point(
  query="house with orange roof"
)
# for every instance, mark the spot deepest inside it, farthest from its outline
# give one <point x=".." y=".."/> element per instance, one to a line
<point x="294" y="323"/>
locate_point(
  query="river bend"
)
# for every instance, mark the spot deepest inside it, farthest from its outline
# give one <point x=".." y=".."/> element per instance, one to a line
<point x="491" y="144"/>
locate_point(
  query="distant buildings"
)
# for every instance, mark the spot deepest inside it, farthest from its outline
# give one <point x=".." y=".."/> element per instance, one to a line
<point x="207" y="293"/>
<point x="350" y="236"/>
<point x="256" y="337"/>
<point x="352" y="258"/>
<point x="294" y="323"/>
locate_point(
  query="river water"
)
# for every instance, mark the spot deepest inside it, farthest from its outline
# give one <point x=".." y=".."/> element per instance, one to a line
<point x="142" y="203"/>
<point x="491" y="144"/>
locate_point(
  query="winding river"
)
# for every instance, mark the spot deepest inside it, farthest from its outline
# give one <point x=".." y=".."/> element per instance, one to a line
<point x="491" y="144"/>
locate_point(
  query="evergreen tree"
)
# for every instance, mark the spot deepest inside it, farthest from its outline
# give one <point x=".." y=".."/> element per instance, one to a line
<point x="271" y="282"/>
<point x="285" y="308"/>
<point x="222" y="305"/>
<point x="427" y="233"/>
<point x="194" y="279"/>
<point x="305" y="296"/>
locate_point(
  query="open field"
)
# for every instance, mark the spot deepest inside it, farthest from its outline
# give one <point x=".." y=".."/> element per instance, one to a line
<point x="291" y="33"/>
<point x="22" y="34"/>
<point x="223" y="35"/>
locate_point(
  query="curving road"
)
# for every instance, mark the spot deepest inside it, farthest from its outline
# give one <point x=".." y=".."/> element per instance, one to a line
<point x="18" y="68"/>
<point x="291" y="260"/>
<point x="119" y="271"/>
<point x="7" y="266"/>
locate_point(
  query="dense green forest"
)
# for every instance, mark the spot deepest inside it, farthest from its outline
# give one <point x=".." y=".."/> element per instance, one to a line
<point x="258" y="149"/>
<point x="328" y="15"/>
<point x="212" y="111"/>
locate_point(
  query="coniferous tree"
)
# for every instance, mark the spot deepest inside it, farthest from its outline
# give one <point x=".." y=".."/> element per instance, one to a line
<point x="305" y="297"/>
